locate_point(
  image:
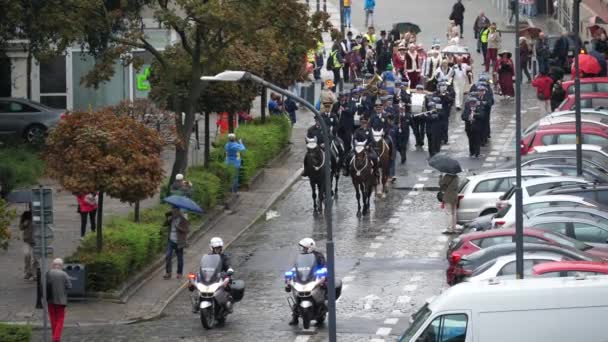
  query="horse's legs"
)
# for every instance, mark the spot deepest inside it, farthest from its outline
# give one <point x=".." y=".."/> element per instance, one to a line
<point x="321" y="196"/>
<point x="366" y="192"/>
<point x="313" y="187"/>
<point x="358" y="198"/>
<point x="337" y="178"/>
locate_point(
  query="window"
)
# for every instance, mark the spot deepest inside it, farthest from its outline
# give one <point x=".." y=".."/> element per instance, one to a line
<point x="446" y="328"/>
<point x="590" y="233"/>
<point x="510" y="268"/>
<point x="585" y="103"/>
<point x="550" y="275"/>
<point x="559" y="227"/>
<point x="566" y="139"/>
<point x="581" y="273"/>
<point x="495" y="240"/>
<point x="479" y="270"/>
<point x="489" y="185"/>
<point x="548" y="139"/>
<point x="600" y="102"/>
<point x="602" y="87"/>
<point x="533" y="239"/>
<point x="585" y="88"/>
<point x="16" y="107"/>
<point x="594" y="139"/>
<point x="534" y="189"/>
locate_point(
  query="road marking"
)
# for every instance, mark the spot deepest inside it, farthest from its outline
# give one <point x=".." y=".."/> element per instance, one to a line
<point x="410" y="288"/>
<point x="383" y="331"/>
<point x="536" y="107"/>
<point x="407" y="201"/>
<point x="423" y="179"/>
<point x="381" y="237"/>
<point x="433" y="254"/>
<point x="386" y="230"/>
<point x="375" y="245"/>
<point x="413" y="193"/>
<point x="427" y="171"/>
<point x="370" y="254"/>
<point x="442" y="238"/>
<point x="418" y="186"/>
<point x="401" y="254"/>
<point x="391" y="321"/>
<point x="404" y="299"/>
<point x="346" y="279"/>
<point x="396" y="313"/>
<point x="487" y="165"/>
<point x="393" y="220"/>
<point x="491" y="159"/>
<point x="302" y="338"/>
<point x="377" y="340"/>
<point x="495" y="153"/>
<point x="415" y="278"/>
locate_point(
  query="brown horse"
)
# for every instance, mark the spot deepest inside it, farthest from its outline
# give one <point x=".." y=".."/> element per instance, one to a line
<point x="384" y="151"/>
<point x="362" y="174"/>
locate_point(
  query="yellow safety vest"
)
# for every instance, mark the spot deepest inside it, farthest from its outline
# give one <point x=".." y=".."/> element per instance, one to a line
<point x="371" y="39"/>
<point x="334" y="55"/>
<point x="346" y="3"/>
<point x="320" y="48"/>
<point x="484" y="35"/>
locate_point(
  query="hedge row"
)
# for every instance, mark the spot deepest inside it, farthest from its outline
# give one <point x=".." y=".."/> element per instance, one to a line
<point x="20" y="166"/>
<point x="130" y="246"/>
<point x="15" y="333"/>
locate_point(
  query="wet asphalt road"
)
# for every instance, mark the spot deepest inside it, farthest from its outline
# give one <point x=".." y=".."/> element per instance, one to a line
<point x="390" y="262"/>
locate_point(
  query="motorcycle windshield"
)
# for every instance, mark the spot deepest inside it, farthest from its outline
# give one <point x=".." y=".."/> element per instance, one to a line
<point x="211" y="267"/>
<point x="306" y="264"/>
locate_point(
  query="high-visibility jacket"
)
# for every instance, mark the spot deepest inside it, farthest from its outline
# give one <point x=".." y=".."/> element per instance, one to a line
<point x="320" y="49"/>
<point x="336" y="60"/>
<point x="311" y="56"/>
<point x="484" y="35"/>
<point x="370" y="38"/>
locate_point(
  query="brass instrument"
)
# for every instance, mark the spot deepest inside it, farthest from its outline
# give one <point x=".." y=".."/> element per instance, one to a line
<point x="372" y="88"/>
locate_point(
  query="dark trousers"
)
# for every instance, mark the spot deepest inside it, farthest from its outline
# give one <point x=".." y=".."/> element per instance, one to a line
<point x="172" y="246"/>
<point x="434" y="137"/>
<point x="474" y="133"/>
<point x="543" y="65"/>
<point x="346" y="72"/>
<point x="419" y="127"/>
<point x="460" y="24"/>
<point x="524" y="69"/>
<point x="337" y="78"/>
<point x="484" y="51"/>
<point x="83" y="221"/>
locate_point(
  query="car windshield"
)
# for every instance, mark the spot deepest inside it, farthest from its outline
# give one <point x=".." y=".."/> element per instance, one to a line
<point x="463" y="185"/>
<point x="479" y="270"/>
<point x="503" y="211"/>
<point x="418" y="320"/>
<point x="566" y="241"/>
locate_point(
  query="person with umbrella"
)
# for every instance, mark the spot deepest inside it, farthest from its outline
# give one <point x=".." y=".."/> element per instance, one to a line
<point x="448" y="187"/>
<point x="178" y="228"/>
<point x="506" y="72"/>
<point x="233" y="150"/>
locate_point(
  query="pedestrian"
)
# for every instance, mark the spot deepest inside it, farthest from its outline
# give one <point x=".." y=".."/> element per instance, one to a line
<point x="525" y="54"/>
<point x="480" y="23"/>
<point x="412" y="67"/>
<point x="543" y="84"/>
<point x="506" y="73"/>
<point x="461" y="71"/>
<point x="418" y="106"/>
<point x="558" y="95"/>
<point x="347" y="10"/>
<point x="560" y="50"/>
<point x="527" y="7"/>
<point x="57" y="282"/>
<point x="542" y="53"/>
<point x="178" y="228"/>
<point x="458" y="15"/>
<point x="433" y="126"/>
<point x="369" y="7"/>
<point x="345" y="111"/>
<point x="444" y="72"/>
<point x="274" y="106"/>
<point x="335" y="62"/>
<point x="347" y="50"/>
<point x="432" y="63"/>
<point x="494" y="43"/>
<point x="87" y="207"/>
<point x="472" y="117"/>
<point x="233" y="158"/>
<point x="29" y="262"/>
<point x="291" y="107"/>
<point x="512" y="4"/>
<point x="483" y="41"/>
<point x="181" y="187"/>
<point x="327" y="94"/>
<point x="448" y="188"/>
<point x="601" y="45"/>
<point x="403" y="132"/>
<point x="370" y="36"/>
<point x="383" y="54"/>
<point x="399" y="61"/>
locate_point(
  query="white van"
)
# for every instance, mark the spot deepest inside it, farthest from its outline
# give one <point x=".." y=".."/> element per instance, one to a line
<point x="507" y="310"/>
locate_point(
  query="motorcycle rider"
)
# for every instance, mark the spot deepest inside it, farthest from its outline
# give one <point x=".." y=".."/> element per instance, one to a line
<point x="216" y="246"/>
<point x="307" y="246"/>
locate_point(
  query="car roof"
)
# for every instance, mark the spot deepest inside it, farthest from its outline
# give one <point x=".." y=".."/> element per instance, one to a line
<point x="512" y="172"/>
<point x="549" y="198"/>
<point x="567" y="119"/>
<point x="498" y="232"/>
<point x="562" y="147"/>
<point x="597" y="211"/>
<point x="587" y="80"/>
<point x="591" y="95"/>
<point x="584" y="111"/>
<point x="569" y="265"/>
<point x="544" y="180"/>
<point x="528" y="255"/>
<point x="573" y="187"/>
<point x="549" y="219"/>
<point x="492" y="252"/>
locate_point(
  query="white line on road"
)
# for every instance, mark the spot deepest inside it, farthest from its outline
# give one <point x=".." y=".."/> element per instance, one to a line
<point x="380" y="237"/>
<point x="346" y="279"/>
<point x="427" y="171"/>
<point x="401" y="254"/>
<point x="415" y="278"/>
<point x="423" y="179"/>
<point x="433" y="254"/>
<point x="413" y="193"/>
<point x="442" y="238"/>
<point x="393" y="220"/>
<point x="407" y="201"/>
<point x="410" y="288"/>
<point x="495" y="153"/>
<point x="418" y="186"/>
<point x="375" y="245"/>
<point x="370" y="254"/>
<point x="491" y="159"/>
<point x="383" y="331"/>
<point x="404" y="299"/>
<point x="487" y="165"/>
<point x="302" y="338"/>
<point x="391" y="321"/>
<point x="377" y="340"/>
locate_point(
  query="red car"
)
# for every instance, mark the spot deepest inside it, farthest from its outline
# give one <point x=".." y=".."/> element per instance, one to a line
<point x="472" y="242"/>
<point x="570" y="268"/>
<point x="594" y="133"/>
<point x="588" y="85"/>
<point x="588" y="100"/>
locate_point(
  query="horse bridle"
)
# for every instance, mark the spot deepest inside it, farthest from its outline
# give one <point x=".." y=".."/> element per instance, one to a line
<point x="322" y="161"/>
<point x="383" y="149"/>
<point x="357" y="170"/>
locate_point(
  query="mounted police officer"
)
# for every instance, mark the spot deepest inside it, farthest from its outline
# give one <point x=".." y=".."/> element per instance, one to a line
<point x="363" y="134"/>
<point x="344" y="109"/>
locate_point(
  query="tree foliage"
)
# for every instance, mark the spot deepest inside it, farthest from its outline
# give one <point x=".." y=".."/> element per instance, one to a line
<point x="151" y="115"/>
<point x="100" y="151"/>
<point x="6" y="216"/>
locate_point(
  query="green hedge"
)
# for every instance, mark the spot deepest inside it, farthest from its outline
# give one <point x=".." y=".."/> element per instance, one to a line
<point x="15" y="333"/>
<point x="129" y="246"/>
<point x="20" y="166"/>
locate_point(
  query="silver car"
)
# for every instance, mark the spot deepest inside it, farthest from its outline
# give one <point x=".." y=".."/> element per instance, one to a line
<point x="27" y="119"/>
<point x="478" y="194"/>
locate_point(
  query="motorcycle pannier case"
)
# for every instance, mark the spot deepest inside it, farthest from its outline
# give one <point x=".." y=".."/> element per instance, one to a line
<point x="338" y="288"/>
<point x="237" y="290"/>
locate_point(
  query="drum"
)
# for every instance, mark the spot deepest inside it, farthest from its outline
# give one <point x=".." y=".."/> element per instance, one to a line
<point x="417" y="103"/>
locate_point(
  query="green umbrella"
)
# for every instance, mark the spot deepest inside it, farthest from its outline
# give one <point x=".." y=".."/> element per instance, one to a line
<point x="407" y="27"/>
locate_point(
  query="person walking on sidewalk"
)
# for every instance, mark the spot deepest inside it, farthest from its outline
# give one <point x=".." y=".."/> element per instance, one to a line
<point x="481" y="22"/>
<point x="57" y="283"/>
<point x="512" y="4"/>
<point x="542" y="53"/>
<point x="347" y="9"/>
<point x="369" y="7"/>
<point x="458" y="15"/>
<point x="87" y="206"/>
<point x="543" y="84"/>
<point x="233" y="150"/>
<point x="181" y="187"/>
<point x="525" y="54"/>
<point x="494" y="43"/>
<point x="448" y="188"/>
<point x="29" y="262"/>
<point x="178" y="228"/>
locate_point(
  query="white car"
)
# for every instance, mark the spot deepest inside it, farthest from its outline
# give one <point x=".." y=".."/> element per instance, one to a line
<point x="478" y="194"/>
<point x="506" y="216"/>
<point x="533" y="186"/>
<point x="594" y="153"/>
<point x="504" y="266"/>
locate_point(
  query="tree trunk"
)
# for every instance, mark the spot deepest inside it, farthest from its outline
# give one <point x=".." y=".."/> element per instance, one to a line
<point x="263" y="105"/>
<point x="99" y="222"/>
<point x="136" y="212"/>
<point x="207" y="140"/>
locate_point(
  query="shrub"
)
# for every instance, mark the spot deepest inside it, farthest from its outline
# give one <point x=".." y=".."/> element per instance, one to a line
<point x="207" y="187"/>
<point x="6" y="216"/>
<point x="15" y="333"/>
<point x="19" y="167"/>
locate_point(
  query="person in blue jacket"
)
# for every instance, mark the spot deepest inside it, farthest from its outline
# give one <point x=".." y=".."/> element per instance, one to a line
<point x="233" y="157"/>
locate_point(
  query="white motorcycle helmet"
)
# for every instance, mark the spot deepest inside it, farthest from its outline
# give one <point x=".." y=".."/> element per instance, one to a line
<point x="307" y="245"/>
<point x="216" y="242"/>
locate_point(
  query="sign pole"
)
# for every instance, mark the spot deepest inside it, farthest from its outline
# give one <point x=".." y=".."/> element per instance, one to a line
<point x="43" y="264"/>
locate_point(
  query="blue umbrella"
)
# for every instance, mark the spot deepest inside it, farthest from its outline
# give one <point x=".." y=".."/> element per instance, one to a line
<point x="183" y="203"/>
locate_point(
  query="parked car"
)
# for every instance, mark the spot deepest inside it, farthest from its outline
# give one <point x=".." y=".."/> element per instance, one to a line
<point x="586" y="114"/>
<point x="463" y="266"/>
<point x="581" y="229"/>
<point x="588" y="100"/>
<point x="478" y="193"/>
<point x="595" y="192"/>
<point x="597" y="154"/>
<point x="504" y="266"/>
<point x="594" y="133"/>
<point x="27" y="119"/>
<point x="588" y="85"/>
<point x="472" y="242"/>
<point x="506" y="215"/>
<point x="532" y="187"/>
<point x="570" y="268"/>
<point x="565" y="164"/>
<point x="599" y="215"/>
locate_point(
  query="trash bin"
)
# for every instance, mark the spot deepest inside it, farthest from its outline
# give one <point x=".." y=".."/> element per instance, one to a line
<point x="77" y="275"/>
<point x="307" y="92"/>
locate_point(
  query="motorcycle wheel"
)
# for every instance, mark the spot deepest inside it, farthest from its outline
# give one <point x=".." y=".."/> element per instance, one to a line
<point x="306" y="318"/>
<point x="207" y="318"/>
<point x="321" y="318"/>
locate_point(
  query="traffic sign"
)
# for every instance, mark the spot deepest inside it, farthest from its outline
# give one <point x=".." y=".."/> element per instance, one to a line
<point x="48" y="216"/>
<point x="38" y="251"/>
<point x="48" y="234"/>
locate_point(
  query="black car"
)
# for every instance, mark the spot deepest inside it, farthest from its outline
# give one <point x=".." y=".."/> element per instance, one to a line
<point x="469" y="263"/>
<point x="595" y="192"/>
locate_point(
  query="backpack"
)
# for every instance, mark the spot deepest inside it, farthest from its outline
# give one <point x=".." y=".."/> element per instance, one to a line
<point x="329" y="65"/>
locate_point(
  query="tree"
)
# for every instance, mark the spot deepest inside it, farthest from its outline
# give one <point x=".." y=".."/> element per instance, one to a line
<point x="105" y="153"/>
<point x="6" y="216"/>
<point x="213" y="35"/>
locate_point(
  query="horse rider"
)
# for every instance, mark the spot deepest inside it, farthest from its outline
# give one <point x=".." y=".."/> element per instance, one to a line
<point x="473" y="124"/>
<point x="391" y="134"/>
<point x="363" y="134"/>
<point x="346" y="122"/>
<point x="418" y="106"/>
<point x="433" y="125"/>
<point x="376" y="119"/>
<point x="403" y="131"/>
<point x="314" y="134"/>
<point x="307" y="246"/>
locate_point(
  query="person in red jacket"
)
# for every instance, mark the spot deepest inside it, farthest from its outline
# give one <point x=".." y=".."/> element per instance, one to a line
<point x="543" y="84"/>
<point x="87" y="206"/>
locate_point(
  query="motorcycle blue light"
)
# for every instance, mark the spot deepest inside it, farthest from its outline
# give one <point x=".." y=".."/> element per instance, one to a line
<point x="288" y="274"/>
<point x="321" y="272"/>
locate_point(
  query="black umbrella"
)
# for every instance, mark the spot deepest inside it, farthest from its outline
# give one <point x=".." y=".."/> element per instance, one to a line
<point x="407" y="27"/>
<point x="445" y="164"/>
<point x="19" y="196"/>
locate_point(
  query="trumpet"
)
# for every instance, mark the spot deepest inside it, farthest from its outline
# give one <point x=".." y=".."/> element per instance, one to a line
<point x="372" y="87"/>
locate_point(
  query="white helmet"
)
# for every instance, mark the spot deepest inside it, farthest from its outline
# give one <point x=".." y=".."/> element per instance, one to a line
<point x="307" y="244"/>
<point x="215" y="243"/>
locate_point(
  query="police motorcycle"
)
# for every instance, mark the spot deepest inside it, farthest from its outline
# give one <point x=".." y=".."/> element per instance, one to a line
<point x="307" y="284"/>
<point x="214" y="291"/>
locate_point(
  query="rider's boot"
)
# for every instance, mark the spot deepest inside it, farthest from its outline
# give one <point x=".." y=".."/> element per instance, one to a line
<point x="294" y="320"/>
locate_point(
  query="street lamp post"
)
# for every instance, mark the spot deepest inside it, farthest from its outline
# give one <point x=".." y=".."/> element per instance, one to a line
<point x="236" y="76"/>
<point x="519" y="229"/>
<point x="577" y="86"/>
